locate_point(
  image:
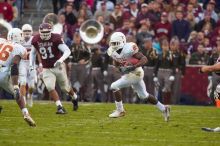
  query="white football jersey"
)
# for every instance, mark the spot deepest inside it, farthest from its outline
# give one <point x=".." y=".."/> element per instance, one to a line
<point x="8" y="51"/>
<point x="128" y="50"/>
<point x="28" y="46"/>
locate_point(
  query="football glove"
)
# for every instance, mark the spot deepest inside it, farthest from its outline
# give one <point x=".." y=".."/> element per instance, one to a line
<point x="126" y="69"/>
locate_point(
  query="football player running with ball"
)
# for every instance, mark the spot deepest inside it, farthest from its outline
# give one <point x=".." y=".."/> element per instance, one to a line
<point x="11" y="52"/>
<point x="129" y="60"/>
<point x="53" y="52"/>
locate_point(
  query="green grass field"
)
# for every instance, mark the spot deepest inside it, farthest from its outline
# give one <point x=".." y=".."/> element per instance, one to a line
<point x="143" y="125"/>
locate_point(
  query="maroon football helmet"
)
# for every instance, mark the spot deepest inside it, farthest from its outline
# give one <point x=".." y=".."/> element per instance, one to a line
<point x="45" y="30"/>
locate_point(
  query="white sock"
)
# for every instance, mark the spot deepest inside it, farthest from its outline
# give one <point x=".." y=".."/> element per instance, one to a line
<point x="58" y="103"/>
<point x="119" y="106"/>
<point x="24" y="111"/>
<point x="74" y="96"/>
<point x="160" y="106"/>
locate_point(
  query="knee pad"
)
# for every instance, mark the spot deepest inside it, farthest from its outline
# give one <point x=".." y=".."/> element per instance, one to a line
<point x="22" y="80"/>
<point x="144" y="95"/>
<point x="114" y="87"/>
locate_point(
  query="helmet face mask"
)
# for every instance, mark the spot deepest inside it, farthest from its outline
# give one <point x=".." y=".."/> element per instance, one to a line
<point x="45" y="30"/>
<point x="15" y="35"/>
<point x="27" y="31"/>
<point x="117" y="40"/>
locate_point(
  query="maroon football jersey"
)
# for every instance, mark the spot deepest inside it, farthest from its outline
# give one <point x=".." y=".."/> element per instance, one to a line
<point x="48" y="49"/>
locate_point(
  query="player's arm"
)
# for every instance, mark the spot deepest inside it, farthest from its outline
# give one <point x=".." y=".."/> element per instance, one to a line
<point x="142" y="59"/>
<point x="32" y="56"/>
<point x="210" y="68"/>
<point x="66" y="53"/>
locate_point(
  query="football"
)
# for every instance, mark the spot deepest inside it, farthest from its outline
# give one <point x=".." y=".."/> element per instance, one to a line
<point x="131" y="61"/>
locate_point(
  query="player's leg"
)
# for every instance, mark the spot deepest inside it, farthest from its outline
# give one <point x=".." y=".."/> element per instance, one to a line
<point x="49" y="80"/>
<point x="140" y="88"/>
<point x="7" y="86"/>
<point x="23" y="71"/>
<point x="31" y="86"/>
<point x="123" y="82"/>
<point x="65" y="86"/>
<point x="1" y="108"/>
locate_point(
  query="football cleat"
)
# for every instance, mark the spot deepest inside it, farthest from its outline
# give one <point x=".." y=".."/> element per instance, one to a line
<point x="117" y="114"/>
<point x="29" y="101"/>
<point x="75" y="104"/>
<point x="217" y="129"/>
<point x="29" y="120"/>
<point x="1" y="109"/>
<point x="166" y="113"/>
<point x="61" y="110"/>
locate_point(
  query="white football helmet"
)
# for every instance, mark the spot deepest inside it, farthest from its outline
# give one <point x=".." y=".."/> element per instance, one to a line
<point x="117" y="40"/>
<point x="15" y="35"/>
<point x="27" y="31"/>
<point x="45" y="31"/>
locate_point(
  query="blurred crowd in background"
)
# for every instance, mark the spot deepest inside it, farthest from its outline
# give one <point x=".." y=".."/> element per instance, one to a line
<point x="171" y="33"/>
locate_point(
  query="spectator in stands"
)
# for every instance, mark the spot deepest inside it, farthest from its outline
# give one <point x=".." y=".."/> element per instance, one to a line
<point x="55" y="5"/>
<point x="215" y="34"/>
<point x="125" y="27"/>
<point x="15" y="12"/>
<point x="142" y="15"/>
<point x="104" y="42"/>
<point x="116" y="17"/>
<point x="211" y="9"/>
<point x="193" y="44"/>
<point x="100" y="19"/>
<point x="70" y="17"/>
<point x="181" y="27"/>
<point x="190" y="10"/>
<point x="125" y="4"/>
<point x="154" y="11"/>
<point x="207" y="45"/>
<point x="102" y="11"/>
<point x="6" y="11"/>
<point x="207" y="30"/>
<point x="200" y="57"/>
<point x="133" y="11"/>
<point x="207" y="19"/>
<point x="144" y="32"/>
<point x="191" y="19"/>
<point x="163" y="28"/>
<point x="172" y="8"/>
<point x="85" y="11"/>
<point x="109" y="5"/>
<point x="64" y="26"/>
<point x="196" y="7"/>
